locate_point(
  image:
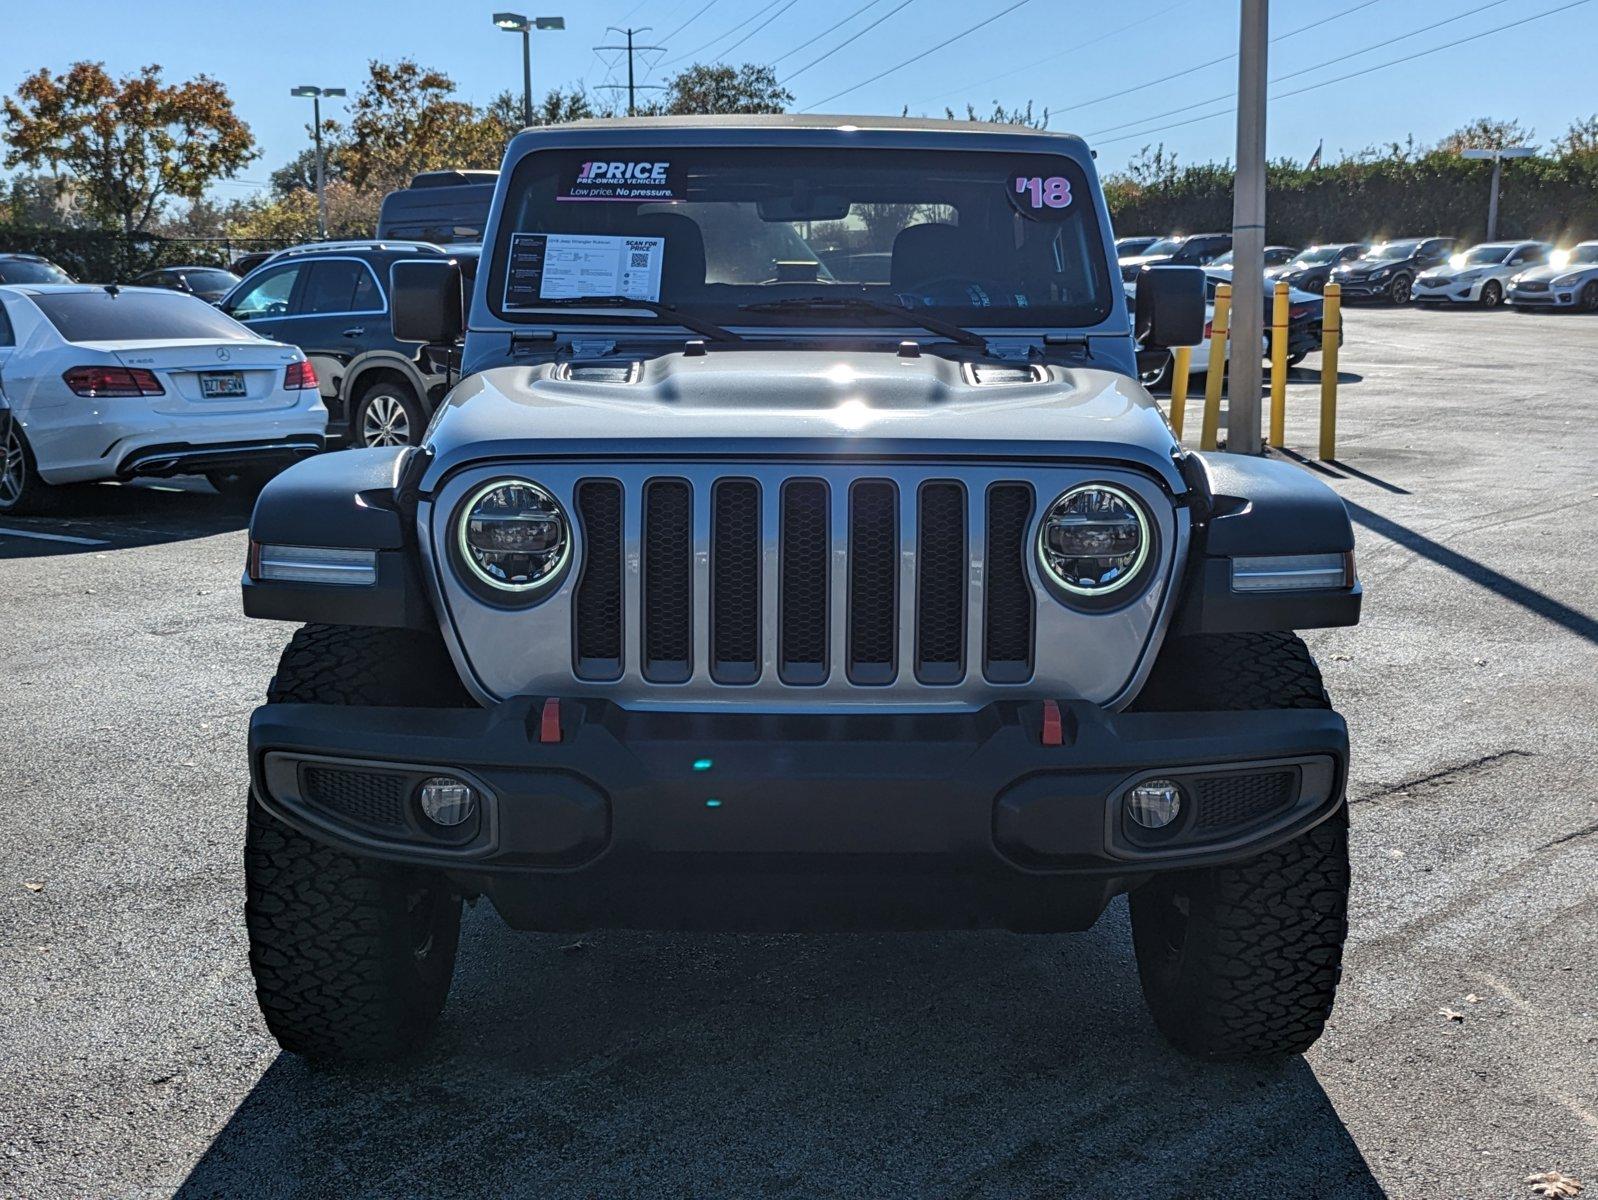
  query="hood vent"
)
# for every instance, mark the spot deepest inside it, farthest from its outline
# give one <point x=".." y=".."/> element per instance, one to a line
<point x="983" y="374"/>
<point x="600" y="372"/>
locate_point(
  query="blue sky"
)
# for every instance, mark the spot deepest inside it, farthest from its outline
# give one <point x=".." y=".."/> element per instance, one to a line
<point x="1070" y="56"/>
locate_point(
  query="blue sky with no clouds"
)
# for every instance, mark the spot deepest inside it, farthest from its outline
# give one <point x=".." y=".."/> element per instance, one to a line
<point x="1107" y="70"/>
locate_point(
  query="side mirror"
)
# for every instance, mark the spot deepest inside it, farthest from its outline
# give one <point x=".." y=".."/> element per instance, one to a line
<point x="425" y="302"/>
<point x="1170" y="306"/>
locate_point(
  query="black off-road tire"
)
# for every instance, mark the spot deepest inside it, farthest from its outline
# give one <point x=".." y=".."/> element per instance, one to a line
<point x="352" y="957"/>
<point x="1242" y="961"/>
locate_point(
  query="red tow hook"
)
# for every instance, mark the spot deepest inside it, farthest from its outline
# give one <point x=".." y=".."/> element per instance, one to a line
<point x="549" y="721"/>
<point x="1053" y="727"/>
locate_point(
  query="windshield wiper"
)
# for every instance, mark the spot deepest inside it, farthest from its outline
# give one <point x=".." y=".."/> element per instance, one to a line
<point x="944" y="329"/>
<point x="705" y="328"/>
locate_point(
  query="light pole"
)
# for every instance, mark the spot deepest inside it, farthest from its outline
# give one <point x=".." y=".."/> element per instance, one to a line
<point x="316" y="94"/>
<point x="1248" y="234"/>
<point x="516" y="23"/>
<point x="1498" y="157"/>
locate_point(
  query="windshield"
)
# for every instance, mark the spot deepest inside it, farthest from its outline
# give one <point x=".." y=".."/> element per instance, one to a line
<point x="210" y="280"/>
<point x="1166" y="246"/>
<point x="1480" y="256"/>
<point x="1317" y="256"/>
<point x="1587" y="253"/>
<point x="22" y="270"/>
<point x="1387" y="251"/>
<point x="1224" y="260"/>
<point x="136" y="316"/>
<point x="975" y="238"/>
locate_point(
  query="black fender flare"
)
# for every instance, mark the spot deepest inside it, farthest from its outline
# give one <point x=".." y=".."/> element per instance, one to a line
<point x="364" y="364"/>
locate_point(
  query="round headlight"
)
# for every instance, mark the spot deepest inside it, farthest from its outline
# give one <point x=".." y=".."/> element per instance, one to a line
<point x="513" y="536"/>
<point x="1094" y="540"/>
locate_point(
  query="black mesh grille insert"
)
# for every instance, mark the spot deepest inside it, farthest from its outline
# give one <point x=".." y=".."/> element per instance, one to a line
<point x="941" y="584"/>
<point x="598" y="608"/>
<point x="735" y="581"/>
<point x="668" y="580"/>
<point x="369" y="797"/>
<point x="873" y="581"/>
<point x="1226" y="800"/>
<point x="802" y="602"/>
<point x="1007" y="621"/>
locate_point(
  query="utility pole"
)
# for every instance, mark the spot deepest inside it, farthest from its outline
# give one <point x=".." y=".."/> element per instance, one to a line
<point x="1248" y="234"/>
<point x="316" y="94"/>
<point x="632" y="85"/>
<point x="1498" y="157"/>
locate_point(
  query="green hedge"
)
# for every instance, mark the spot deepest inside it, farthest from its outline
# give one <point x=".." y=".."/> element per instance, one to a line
<point x="100" y="256"/>
<point x="1554" y="199"/>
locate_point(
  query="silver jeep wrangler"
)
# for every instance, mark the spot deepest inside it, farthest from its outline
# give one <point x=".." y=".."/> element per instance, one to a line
<point x="797" y="551"/>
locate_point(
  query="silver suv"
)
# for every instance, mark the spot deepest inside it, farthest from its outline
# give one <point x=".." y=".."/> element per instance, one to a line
<point x="796" y="550"/>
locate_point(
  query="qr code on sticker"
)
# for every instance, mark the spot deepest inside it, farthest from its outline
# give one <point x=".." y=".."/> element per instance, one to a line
<point x="640" y="260"/>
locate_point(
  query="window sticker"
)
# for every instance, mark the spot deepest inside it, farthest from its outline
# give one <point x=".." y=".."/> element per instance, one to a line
<point x="627" y="180"/>
<point x="1040" y="197"/>
<point x="557" y="266"/>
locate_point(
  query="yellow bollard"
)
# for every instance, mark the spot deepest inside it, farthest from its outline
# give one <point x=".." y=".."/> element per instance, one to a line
<point x="1181" y="365"/>
<point x="1279" y="323"/>
<point x="1217" y="370"/>
<point x="1331" y="339"/>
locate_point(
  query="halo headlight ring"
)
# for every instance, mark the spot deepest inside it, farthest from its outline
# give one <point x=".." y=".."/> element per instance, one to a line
<point x="474" y="564"/>
<point x="1130" y="577"/>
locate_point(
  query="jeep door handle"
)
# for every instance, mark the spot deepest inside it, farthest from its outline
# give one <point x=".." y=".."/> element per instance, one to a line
<point x="358" y="331"/>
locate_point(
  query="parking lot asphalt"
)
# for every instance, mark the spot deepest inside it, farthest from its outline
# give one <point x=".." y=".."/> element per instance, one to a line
<point x="133" y="1061"/>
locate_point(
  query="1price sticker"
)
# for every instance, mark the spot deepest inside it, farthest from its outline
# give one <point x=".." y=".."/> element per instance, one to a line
<point x="1041" y="197"/>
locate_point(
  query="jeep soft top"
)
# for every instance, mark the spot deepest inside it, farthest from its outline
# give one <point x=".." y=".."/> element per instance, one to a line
<point x="743" y="584"/>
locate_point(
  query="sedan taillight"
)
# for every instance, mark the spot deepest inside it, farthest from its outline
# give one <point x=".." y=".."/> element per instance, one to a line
<point x="100" y="382"/>
<point x="298" y="376"/>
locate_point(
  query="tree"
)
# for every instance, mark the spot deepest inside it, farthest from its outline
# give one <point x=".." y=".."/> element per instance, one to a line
<point x="1487" y="133"/>
<point x="129" y="144"/>
<point x="1580" y="138"/>
<point x="999" y="115"/>
<point x="505" y="109"/>
<point x="710" y="88"/>
<point x="351" y="213"/>
<point x="404" y="121"/>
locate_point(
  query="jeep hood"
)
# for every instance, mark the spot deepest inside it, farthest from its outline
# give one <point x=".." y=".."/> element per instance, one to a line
<point x="764" y="403"/>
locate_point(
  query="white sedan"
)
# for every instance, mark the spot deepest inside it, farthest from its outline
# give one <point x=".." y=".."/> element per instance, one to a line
<point x="116" y="383"/>
<point x="1480" y="275"/>
<point x="1568" y="281"/>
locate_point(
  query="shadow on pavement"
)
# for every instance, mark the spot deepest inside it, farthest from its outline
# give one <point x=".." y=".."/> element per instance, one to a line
<point x="977" y="1065"/>
<point x="99" y="517"/>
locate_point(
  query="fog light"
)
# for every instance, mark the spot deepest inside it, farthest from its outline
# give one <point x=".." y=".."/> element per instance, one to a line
<point x="1155" y="803"/>
<point x="447" y="801"/>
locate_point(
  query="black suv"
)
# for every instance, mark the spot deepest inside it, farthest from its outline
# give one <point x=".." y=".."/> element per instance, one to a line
<point x="1388" y="269"/>
<point x="1311" y="270"/>
<point x="331" y="300"/>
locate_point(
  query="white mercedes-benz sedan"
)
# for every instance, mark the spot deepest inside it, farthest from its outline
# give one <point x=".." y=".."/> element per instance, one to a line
<point x="113" y="383"/>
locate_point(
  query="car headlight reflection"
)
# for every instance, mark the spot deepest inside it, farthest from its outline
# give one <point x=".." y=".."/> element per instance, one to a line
<point x="1094" y="540"/>
<point x="513" y="536"/>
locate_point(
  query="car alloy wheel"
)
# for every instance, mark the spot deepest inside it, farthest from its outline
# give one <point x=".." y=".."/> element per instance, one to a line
<point x="385" y="422"/>
<point x="1399" y="292"/>
<point x="1492" y="294"/>
<point x="1589" y="297"/>
<point x="13" y="470"/>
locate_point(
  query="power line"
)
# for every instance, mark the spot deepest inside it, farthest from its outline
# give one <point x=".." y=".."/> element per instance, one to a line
<point x="1192" y="104"/>
<point x="824" y="32"/>
<point x="701" y="12"/>
<point x="725" y="34"/>
<point x="1281" y="37"/>
<point x="1356" y="74"/>
<point x="1071" y="49"/>
<point x="918" y="57"/>
<point x="859" y="33"/>
<point x="726" y="50"/>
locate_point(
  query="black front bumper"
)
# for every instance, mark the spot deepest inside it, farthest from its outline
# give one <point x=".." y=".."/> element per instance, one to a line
<point x="758" y="821"/>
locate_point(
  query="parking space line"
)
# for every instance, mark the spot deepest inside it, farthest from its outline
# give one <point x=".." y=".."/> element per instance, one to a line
<point x="52" y="537"/>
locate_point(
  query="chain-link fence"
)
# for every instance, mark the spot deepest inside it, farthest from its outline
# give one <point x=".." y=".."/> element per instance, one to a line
<point x="102" y="256"/>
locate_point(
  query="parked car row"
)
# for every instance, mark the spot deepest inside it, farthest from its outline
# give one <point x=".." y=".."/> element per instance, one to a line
<point x="1423" y="270"/>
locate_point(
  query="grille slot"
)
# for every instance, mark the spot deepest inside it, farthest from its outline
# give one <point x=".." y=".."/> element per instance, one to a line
<point x="1230" y="800"/>
<point x="1007" y="620"/>
<point x="668" y="581"/>
<point x="598" y="606"/>
<point x="802" y="650"/>
<point x="873" y="581"/>
<point x="735" y="581"/>
<point x="366" y="797"/>
<point x="941" y="584"/>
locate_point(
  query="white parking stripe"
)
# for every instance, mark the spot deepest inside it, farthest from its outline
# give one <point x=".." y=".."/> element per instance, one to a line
<point x="53" y="537"/>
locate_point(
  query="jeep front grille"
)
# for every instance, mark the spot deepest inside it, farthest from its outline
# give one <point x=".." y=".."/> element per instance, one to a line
<point x="903" y="557"/>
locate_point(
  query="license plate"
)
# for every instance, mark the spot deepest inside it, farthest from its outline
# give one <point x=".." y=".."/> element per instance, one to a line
<point x="222" y="383"/>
